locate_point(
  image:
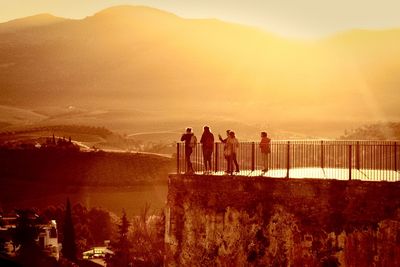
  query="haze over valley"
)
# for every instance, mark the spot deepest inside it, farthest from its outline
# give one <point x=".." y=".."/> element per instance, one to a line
<point x="139" y="70"/>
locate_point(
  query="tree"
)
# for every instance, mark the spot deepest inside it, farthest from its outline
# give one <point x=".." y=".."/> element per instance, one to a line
<point x="148" y="237"/>
<point x="3" y="241"/>
<point x="25" y="235"/>
<point x="26" y="231"/>
<point x="68" y="244"/>
<point x="123" y="246"/>
<point x="99" y="219"/>
<point x="3" y="250"/>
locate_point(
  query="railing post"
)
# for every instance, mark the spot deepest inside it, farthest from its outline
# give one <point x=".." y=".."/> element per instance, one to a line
<point x="322" y="154"/>
<point x="253" y="156"/>
<point x="177" y="159"/>
<point x="395" y="156"/>
<point x="288" y="160"/>
<point x="358" y="155"/>
<point x="350" y="161"/>
<point x="216" y="157"/>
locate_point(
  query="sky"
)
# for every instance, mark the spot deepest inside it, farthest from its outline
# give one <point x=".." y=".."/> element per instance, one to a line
<point x="291" y="18"/>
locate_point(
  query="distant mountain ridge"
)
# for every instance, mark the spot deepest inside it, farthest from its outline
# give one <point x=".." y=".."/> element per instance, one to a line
<point x="30" y="22"/>
<point x="145" y="58"/>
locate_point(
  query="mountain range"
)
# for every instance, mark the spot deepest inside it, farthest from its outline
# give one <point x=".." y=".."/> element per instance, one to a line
<point x="137" y="58"/>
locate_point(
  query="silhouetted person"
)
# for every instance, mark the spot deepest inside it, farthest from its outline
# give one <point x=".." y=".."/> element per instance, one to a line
<point x="233" y="146"/>
<point x="190" y="143"/>
<point x="226" y="152"/>
<point x="207" y="140"/>
<point x="265" y="147"/>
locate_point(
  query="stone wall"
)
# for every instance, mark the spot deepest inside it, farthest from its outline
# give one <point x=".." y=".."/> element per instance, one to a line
<point x="255" y="221"/>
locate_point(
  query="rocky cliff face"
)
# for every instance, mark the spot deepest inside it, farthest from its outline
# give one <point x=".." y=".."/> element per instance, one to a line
<point x="243" y="221"/>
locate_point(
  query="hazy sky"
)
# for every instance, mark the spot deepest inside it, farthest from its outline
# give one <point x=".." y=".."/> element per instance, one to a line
<point x="298" y="18"/>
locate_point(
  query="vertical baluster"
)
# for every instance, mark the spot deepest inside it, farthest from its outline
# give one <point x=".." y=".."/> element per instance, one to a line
<point x="322" y="155"/>
<point x="177" y="159"/>
<point x="358" y="155"/>
<point x="350" y="160"/>
<point x="253" y="155"/>
<point x="395" y="156"/>
<point x="216" y="157"/>
<point x="288" y="159"/>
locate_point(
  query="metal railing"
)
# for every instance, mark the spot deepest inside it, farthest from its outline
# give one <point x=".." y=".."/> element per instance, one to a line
<point x="345" y="160"/>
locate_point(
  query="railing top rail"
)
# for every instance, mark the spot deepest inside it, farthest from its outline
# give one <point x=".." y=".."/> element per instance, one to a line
<point x="325" y="141"/>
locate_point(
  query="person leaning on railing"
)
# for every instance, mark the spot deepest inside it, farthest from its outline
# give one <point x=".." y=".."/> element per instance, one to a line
<point x="265" y="147"/>
<point x="190" y="143"/>
<point x="226" y="152"/>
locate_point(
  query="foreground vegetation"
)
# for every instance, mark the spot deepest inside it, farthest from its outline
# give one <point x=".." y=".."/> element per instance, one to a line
<point x="139" y="240"/>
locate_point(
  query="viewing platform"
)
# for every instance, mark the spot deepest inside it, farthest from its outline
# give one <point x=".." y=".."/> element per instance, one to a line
<point x="339" y="160"/>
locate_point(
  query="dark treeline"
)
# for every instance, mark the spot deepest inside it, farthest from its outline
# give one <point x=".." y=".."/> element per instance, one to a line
<point x="64" y="167"/>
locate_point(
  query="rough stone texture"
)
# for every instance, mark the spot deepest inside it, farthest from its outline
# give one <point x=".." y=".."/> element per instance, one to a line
<point x="255" y="221"/>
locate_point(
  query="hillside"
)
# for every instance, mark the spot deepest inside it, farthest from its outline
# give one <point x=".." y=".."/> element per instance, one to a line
<point x="115" y="181"/>
<point x="71" y="168"/>
<point x="142" y="59"/>
<point x="376" y="131"/>
<point x="29" y="23"/>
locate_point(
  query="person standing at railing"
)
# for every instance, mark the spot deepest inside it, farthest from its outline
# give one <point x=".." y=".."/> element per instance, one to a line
<point x="226" y="152"/>
<point x="207" y="141"/>
<point x="265" y="147"/>
<point x="232" y="147"/>
<point x="190" y="142"/>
